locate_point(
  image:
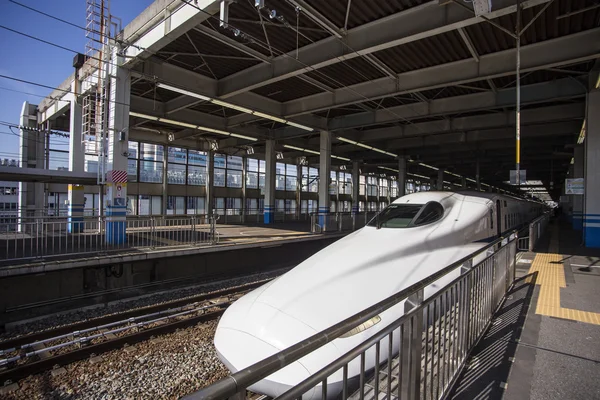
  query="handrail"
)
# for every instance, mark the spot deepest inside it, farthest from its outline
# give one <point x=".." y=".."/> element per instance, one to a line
<point x="242" y="379"/>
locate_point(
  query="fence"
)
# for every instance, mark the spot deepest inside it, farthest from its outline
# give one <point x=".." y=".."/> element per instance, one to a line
<point x="58" y="236"/>
<point x="535" y="230"/>
<point x="339" y="221"/>
<point x="418" y="356"/>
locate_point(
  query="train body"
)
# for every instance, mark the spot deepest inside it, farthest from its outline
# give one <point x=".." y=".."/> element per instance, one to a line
<point x="414" y="237"/>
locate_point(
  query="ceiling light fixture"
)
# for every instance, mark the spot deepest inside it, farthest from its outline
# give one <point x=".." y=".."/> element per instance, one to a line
<point x="186" y="125"/>
<point x="182" y="91"/>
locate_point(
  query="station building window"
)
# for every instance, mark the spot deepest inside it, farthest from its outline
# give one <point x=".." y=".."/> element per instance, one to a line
<point x="220" y="205"/>
<point x="254" y="206"/>
<point x="196" y="172"/>
<point x="290" y="206"/>
<point x="176" y="167"/>
<point x="132" y="161"/>
<point x="151" y="163"/>
<point x="234" y="172"/>
<point x="233" y="206"/>
<point x="220" y="170"/>
<point x="362" y="185"/>
<point x="310" y="180"/>
<point x="372" y="186"/>
<point x="255" y="173"/>
<point x="195" y="205"/>
<point x="333" y="184"/>
<point x="308" y="206"/>
<point x="175" y="205"/>
<point x="345" y="183"/>
<point x="383" y="187"/>
<point x="149" y="205"/>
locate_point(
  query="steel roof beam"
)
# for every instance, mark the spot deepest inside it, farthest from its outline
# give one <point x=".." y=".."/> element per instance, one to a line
<point x="413" y="24"/>
<point x="565" y="50"/>
<point x="530" y="94"/>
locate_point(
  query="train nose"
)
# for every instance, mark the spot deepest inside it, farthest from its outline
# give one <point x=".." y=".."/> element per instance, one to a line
<point x="238" y="350"/>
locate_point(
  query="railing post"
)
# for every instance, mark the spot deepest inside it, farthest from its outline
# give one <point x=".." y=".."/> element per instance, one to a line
<point x="412" y="348"/>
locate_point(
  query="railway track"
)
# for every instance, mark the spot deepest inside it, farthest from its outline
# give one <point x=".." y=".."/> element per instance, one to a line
<point x="30" y="354"/>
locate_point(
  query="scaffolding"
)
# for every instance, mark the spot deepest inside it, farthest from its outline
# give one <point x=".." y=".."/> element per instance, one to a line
<point x="98" y="52"/>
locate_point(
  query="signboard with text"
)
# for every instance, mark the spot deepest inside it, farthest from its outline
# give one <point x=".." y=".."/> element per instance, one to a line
<point x="574" y="186"/>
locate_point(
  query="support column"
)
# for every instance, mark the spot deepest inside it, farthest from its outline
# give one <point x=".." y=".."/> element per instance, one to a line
<point x="209" y="201"/>
<point x="76" y="164"/>
<point x="117" y="133"/>
<point x="591" y="206"/>
<point x="463" y="182"/>
<point x="243" y="208"/>
<point x="298" y="187"/>
<point x="324" y="175"/>
<point x="270" y="161"/>
<point x="355" y="186"/>
<point x="440" y="179"/>
<point x="28" y="153"/>
<point x="165" y="182"/>
<point x="401" y="176"/>
<point x="577" y="199"/>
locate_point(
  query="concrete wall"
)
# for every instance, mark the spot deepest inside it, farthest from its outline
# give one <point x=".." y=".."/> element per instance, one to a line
<point x="28" y="289"/>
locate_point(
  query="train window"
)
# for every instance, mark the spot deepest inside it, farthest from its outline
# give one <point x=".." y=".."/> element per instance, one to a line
<point x="396" y="216"/>
<point x="430" y="213"/>
<point x="491" y="219"/>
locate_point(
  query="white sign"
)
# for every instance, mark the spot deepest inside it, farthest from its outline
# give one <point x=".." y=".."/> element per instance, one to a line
<point x="574" y="186"/>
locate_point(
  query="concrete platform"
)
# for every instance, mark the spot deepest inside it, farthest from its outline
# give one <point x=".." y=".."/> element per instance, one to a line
<point x="545" y="339"/>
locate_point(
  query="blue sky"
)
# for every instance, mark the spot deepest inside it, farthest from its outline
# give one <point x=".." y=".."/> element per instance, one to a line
<point x="34" y="61"/>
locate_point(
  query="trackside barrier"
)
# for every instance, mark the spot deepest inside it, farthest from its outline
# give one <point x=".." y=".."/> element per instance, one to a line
<point x="45" y="237"/>
<point x="418" y="356"/>
<point x="535" y="230"/>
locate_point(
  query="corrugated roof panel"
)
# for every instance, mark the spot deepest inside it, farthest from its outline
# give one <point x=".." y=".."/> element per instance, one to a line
<point x="345" y="73"/>
<point x="489" y="39"/>
<point x="287" y="89"/>
<point x="361" y="11"/>
<point x="440" y="49"/>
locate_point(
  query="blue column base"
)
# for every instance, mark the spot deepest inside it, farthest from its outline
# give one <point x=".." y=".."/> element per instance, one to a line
<point x="355" y="210"/>
<point x="116" y="225"/>
<point x="269" y="215"/>
<point x="323" y="211"/>
<point x="592" y="237"/>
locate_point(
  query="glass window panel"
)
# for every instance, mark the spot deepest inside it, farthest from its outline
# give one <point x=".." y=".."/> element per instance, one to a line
<point x="177" y="155"/>
<point x="220" y="205"/>
<point x="280" y="205"/>
<point x="151" y="152"/>
<point x="280" y="182"/>
<point x="144" y="205"/>
<point x="151" y="171"/>
<point x="196" y="176"/>
<point x="196" y="157"/>
<point x="132" y="170"/>
<point x="219" y="176"/>
<point x="220" y="161"/>
<point x="156" y="205"/>
<point x="280" y="168"/>
<point x="262" y="164"/>
<point x="176" y="174"/>
<point x="290" y="183"/>
<point x="291" y="170"/>
<point x="234" y="178"/>
<point x="252" y="164"/>
<point x="251" y="206"/>
<point x="261" y="180"/>
<point x="234" y="162"/>
<point x="132" y="205"/>
<point x="290" y="206"/>
<point x="180" y="205"/>
<point x="133" y="148"/>
<point x="252" y="180"/>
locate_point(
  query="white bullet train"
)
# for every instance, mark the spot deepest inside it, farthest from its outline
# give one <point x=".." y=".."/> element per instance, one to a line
<point x="412" y="238"/>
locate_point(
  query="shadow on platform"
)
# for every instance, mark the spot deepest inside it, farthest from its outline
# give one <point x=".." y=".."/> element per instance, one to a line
<point x="488" y="367"/>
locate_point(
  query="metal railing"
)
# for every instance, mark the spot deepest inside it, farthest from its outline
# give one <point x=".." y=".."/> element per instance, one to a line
<point x="339" y="221"/>
<point x="418" y="356"/>
<point x="535" y="230"/>
<point x="46" y="237"/>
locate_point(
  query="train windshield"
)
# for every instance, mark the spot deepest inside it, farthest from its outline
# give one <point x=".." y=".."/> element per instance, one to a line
<point x="408" y="215"/>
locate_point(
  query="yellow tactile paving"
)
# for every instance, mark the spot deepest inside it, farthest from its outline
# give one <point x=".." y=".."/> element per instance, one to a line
<point x="551" y="277"/>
